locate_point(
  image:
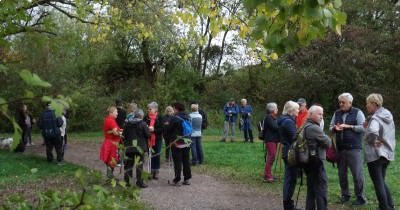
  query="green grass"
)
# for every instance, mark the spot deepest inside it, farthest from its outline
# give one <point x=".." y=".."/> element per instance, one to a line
<point x="19" y="169"/>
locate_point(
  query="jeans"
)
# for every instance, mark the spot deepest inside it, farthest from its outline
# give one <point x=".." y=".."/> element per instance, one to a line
<point x="197" y="150"/>
<point x="229" y="126"/>
<point x="270" y="147"/>
<point x="377" y="171"/>
<point x="317" y="186"/>
<point x="155" y="161"/>
<point x="180" y="157"/>
<point x="289" y="185"/>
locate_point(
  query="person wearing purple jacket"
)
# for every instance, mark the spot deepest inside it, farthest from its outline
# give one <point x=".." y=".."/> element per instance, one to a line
<point x="231" y="111"/>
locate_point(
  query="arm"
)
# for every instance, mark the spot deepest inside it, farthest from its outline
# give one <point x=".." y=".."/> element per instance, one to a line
<point x="372" y="132"/>
<point x="269" y="122"/>
<point x="315" y="132"/>
<point x="359" y="128"/>
<point x="332" y="124"/>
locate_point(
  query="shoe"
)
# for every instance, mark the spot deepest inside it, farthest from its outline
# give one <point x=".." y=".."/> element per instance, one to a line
<point x="232" y="140"/>
<point x="186" y="182"/>
<point x="222" y="140"/>
<point x="344" y="199"/>
<point x="173" y="183"/>
<point x="155" y="175"/>
<point x="32" y="144"/>
<point x="61" y="163"/>
<point x="141" y="185"/>
<point x="268" y="180"/>
<point x="359" y="202"/>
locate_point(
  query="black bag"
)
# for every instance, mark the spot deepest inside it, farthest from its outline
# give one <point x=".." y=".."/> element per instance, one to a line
<point x="260" y="127"/>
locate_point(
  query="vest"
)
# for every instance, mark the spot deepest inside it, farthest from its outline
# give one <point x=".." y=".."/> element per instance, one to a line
<point x="347" y="139"/>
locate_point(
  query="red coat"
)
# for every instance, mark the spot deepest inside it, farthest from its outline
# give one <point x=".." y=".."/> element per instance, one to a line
<point x="301" y="118"/>
<point x="109" y="148"/>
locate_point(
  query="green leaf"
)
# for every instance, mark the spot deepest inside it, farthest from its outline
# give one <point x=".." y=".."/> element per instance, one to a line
<point x="3" y="106"/>
<point x="327" y="13"/>
<point x="29" y="94"/>
<point x="321" y="2"/>
<point x="337" y="3"/>
<point x="34" y="170"/>
<point x="33" y="79"/>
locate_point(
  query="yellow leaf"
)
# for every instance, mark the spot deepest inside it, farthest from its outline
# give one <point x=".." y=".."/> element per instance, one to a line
<point x="274" y="56"/>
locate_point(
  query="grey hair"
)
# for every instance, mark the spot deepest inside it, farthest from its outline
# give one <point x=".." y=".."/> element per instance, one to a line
<point x="313" y="109"/>
<point x="271" y="107"/>
<point x="133" y="107"/>
<point x="375" y="98"/>
<point x="290" y="107"/>
<point x="139" y="113"/>
<point x="153" y="105"/>
<point x="347" y="96"/>
<point x="244" y="100"/>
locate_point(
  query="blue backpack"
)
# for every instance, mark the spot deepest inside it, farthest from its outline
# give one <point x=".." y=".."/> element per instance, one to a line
<point x="186" y="127"/>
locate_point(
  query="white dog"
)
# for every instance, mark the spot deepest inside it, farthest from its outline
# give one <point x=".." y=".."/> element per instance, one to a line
<point x="6" y="143"/>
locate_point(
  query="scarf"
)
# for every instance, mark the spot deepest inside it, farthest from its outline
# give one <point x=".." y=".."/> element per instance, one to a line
<point x="152" y="139"/>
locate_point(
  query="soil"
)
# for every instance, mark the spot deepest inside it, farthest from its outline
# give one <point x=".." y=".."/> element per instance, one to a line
<point x="205" y="191"/>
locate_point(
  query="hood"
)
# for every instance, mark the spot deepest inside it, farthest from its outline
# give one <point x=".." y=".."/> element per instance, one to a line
<point x="283" y="118"/>
<point x="133" y="120"/>
<point x="384" y="115"/>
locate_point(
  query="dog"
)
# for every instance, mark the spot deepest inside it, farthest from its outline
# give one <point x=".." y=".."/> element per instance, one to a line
<point x="6" y="143"/>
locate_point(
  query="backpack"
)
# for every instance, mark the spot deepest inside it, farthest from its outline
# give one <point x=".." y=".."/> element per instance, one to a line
<point x="49" y="126"/>
<point x="186" y="127"/>
<point x="301" y="151"/>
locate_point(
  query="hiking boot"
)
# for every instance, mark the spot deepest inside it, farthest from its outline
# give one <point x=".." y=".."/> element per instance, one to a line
<point x="222" y="140"/>
<point x="141" y="185"/>
<point x="174" y="183"/>
<point x="344" y="199"/>
<point x="155" y="175"/>
<point x="186" y="182"/>
<point x="359" y="202"/>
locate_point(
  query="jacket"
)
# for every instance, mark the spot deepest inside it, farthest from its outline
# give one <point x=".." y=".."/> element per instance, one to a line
<point x="174" y="129"/>
<point x="270" y="129"/>
<point x="231" y="109"/>
<point x="136" y="129"/>
<point x="313" y="132"/>
<point x="287" y="132"/>
<point x="381" y="127"/>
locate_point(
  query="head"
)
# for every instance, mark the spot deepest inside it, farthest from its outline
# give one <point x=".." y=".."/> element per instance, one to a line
<point x="132" y="108"/>
<point x="316" y="114"/>
<point x="139" y="114"/>
<point x="231" y="101"/>
<point x="373" y="102"/>
<point x="291" y="108"/>
<point x="345" y="101"/>
<point x="24" y="108"/>
<point x="302" y="104"/>
<point x="272" y="108"/>
<point x="243" y="102"/>
<point x="118" y="102"/>
<point x="152" y="107"/>
<point x="178" y="107"/>
<point x="169" y="110"/>
<point x="112" y="111"/>
<point x="194" y="107"/>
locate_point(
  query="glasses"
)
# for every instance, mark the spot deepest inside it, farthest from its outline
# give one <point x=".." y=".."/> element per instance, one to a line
<point x="342" y="102"/>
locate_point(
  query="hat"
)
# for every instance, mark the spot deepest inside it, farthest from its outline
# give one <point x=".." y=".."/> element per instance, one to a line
<point x="301" y="101"/>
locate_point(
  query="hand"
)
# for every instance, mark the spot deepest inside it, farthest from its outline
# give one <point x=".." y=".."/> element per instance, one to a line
<point x="377" y="143"/>
<point x="338" y="128"/>
<point x="230" y="115"/>
<point x="365" y="124"/>
<point x="151" y="128"/>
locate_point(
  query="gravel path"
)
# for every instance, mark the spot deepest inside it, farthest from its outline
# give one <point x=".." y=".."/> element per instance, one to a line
<point x="205" y="192"/>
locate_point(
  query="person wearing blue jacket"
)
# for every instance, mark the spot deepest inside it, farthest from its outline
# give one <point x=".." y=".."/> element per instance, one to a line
<point x="246" y="114"/>
<point x="231" y="111"/>
<point x="287" y="132"/>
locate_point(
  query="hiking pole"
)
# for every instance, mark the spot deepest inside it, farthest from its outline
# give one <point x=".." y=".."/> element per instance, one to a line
<point x="149" y="162"/>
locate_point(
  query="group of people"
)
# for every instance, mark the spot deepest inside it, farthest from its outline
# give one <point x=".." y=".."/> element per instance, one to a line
<point x="142" y="134"/>
<point x="53" y="131"/>
<point x="350" y="127"/>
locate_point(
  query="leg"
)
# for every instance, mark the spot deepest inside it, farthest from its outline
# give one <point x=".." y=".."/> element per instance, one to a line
<point x="289" y="186"/>
<point x="155" y="161"/>
<point x="177" y="158"/>
<point x="232" y="131"/>
<point x="187" y="174"/>
<point x="245" y="132"/>
<point x="110" y="172"/>
<point x="250" y="130"/>
<point x="128" y="167"/>
<point x="376" y="169"/>
<point x="321" y="186"/>
<point x="195" y="159"/>
<point x="271" y="149"/>
<point x="200" y="150"/>
<point x="342" y="173"/>
<point x="355" y="166"/>
<point x="139" y="170"/>
<point x="58" y="147"/>
<point x="226" y="130"/>
<point x="49" y="149"/>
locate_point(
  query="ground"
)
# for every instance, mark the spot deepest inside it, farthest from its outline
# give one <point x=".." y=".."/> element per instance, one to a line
<point x="205" y="191"/>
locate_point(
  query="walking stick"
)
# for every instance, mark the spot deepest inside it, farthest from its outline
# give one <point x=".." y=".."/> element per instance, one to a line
<point x="149" y="165"/>
<point x="278" y="156"/>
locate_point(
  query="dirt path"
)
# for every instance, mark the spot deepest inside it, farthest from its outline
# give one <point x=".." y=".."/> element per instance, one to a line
<point x="205" y="192"/>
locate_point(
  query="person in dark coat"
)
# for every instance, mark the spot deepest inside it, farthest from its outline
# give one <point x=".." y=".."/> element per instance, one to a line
<point x="25" y="121"/>
<point x="287" y="133"/>
<point x="271" y="139"/>
<point x="317" y="181"/>
<point x="166" y="119"/>
<point x="136" y="132"/>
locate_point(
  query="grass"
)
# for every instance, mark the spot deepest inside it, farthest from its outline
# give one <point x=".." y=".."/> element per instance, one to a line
<point x="18" y="169"/>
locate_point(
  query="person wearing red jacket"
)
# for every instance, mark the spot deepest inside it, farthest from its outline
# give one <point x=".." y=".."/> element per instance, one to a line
<point x="303" y="112"/>
<point x="109" y="148"/>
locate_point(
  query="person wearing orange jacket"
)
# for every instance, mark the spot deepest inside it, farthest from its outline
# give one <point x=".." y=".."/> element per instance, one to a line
<point x="303" y="112"/>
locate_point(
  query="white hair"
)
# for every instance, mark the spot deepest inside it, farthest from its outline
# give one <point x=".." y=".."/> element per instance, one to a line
<point x="313" y="109"/>
<point x="153" y="105"/>
<point x="347" y="96"/>
<point x="194" y="107"/>
<point x="290" y="107"/>
<point x="244" y="100"/>
<point x="271" y="107"/>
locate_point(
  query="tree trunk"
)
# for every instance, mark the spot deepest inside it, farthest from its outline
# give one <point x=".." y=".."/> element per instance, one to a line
<point x="206" y="55"/>
<point x="222" y="48"/>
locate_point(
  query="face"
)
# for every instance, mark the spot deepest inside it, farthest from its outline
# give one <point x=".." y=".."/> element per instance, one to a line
<point x="244" y="103"/>
<point x="303" y="107"/>
<point x="114" y="113"/>
<point x="371" y="107"/>
<point x="295" y="112"/>
<point x="275" y="112"/>
<point x="344" y="104"/>
<point x="152" y="110"/>
<point x="317" y="116"/>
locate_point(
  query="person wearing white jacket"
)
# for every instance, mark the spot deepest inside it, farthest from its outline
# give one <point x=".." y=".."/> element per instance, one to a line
<point x="379" y="147"/>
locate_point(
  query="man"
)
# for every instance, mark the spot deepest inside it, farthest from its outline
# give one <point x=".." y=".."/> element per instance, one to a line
<point x="245" y="114"/>
<point x="196" y="146"/>
<point x="121" y="114"/>
<point x="230" y="110"/>
<point x="347" y="123"/>
<point x="50" y="126"/>
<point x="303" y="112"/>
<point x="317" y="181"/>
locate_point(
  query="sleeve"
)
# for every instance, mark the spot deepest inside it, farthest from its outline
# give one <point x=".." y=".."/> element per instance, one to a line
<point x="359" y="128"/>
<point x="146" y="131"/>
<point x="291" y="128"/>
<point x="159" y="126"/>
<point x="332" y="123"/>
<point x="59" y="122"/>
<point x="372" y="132"/>
<point x="226" y="109"/>
<point x="315" y="132"/>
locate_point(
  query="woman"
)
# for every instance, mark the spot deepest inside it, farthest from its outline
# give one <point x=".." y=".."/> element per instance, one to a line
<point x="379" y="147"/>
<point x="287" y="132"/>
<point x="154" y="121"/>
<point x="271" y="138"/>
<point x="169" y="113"/>
<point x="109" y="149"/>
<point x="25" y="121"/>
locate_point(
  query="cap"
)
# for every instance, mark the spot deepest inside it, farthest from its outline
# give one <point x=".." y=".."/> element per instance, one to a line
<point x="301" y="101"/>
